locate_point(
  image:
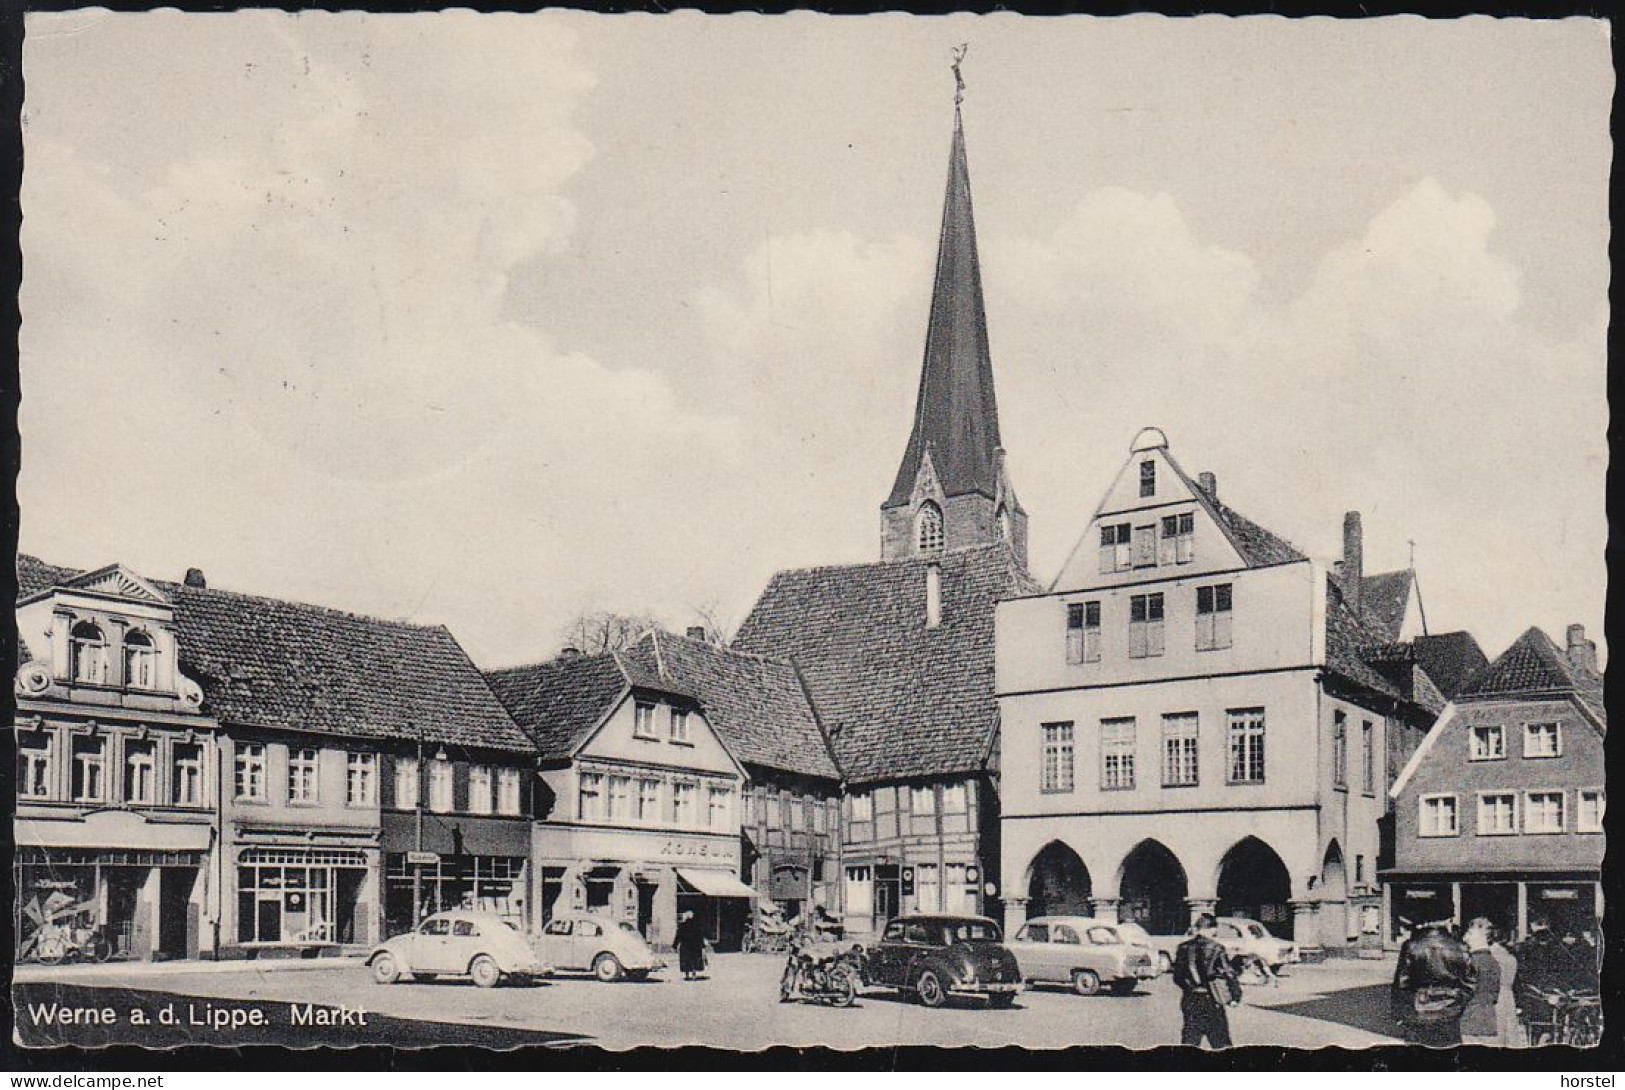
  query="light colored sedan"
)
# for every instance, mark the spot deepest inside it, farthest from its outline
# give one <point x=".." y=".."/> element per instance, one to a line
<point x="481" y="946"/>
<point x="1081" y="951"/>
<point x="609" y="949"/>
<point x="1239" y="935"/>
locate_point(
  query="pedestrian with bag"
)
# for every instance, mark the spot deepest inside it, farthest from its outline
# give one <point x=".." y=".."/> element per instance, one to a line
<point x="1207" y="984"/>
<point x="1432" y="984"/>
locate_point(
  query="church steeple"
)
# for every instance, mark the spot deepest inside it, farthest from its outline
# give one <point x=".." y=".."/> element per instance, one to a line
<point x="951" y="489"/>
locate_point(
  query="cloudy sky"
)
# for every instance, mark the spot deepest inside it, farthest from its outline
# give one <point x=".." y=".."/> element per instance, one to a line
<point x="487" y="320"/>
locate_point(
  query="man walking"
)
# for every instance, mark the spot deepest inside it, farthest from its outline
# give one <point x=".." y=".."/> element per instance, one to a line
<point x="1207" y="983"/>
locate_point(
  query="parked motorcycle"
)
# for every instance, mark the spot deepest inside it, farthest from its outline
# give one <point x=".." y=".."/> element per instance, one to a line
<point x="822" y="977"/>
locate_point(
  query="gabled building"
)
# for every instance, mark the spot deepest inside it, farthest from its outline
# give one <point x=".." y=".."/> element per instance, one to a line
<point x="897" y="656"/>
<point x="1499" y="812"/>
<point x="1192" y="718"/>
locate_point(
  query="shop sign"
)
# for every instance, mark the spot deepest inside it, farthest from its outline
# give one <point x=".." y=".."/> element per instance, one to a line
<point x="1560" y="895"/>
<point x="637" y="845"/>
<point x="673" y="848"/>
<point x="423" y="859"/>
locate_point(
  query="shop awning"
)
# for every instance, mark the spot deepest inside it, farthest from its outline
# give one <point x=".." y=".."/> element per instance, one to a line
<point x="715" y="883"/>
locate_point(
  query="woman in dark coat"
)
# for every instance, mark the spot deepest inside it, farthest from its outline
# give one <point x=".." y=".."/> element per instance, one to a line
<point x="690" y="941"/>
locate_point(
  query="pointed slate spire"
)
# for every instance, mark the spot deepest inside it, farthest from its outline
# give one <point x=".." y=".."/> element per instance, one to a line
<point x="955" y="416"/>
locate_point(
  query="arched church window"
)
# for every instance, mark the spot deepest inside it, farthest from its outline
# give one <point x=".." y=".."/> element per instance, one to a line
<point x="928" y="528"/>
<point x="88" y="653"/>
<point x="140" y="660"/>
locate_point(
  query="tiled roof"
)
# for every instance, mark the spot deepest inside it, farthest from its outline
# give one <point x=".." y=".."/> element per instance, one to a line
<point x="1383" y="599"/>
<point x="270" y="663"/>
<point x="1533" y="666"/>
<point x="1350" y="643"/>
<point x="1258" y="546"/>
<point x="756" y="704"/>
<point x="559" y="702"/>
<point x="897" y="699"/>
<point x="1449" y="658"/>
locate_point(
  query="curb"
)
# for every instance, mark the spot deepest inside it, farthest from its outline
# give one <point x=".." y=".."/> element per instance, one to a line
<point x="47" y="974"/>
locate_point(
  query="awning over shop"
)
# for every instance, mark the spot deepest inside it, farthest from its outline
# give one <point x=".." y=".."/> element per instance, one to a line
<point x="715" y="883"/>
<point x="112" y="829"/>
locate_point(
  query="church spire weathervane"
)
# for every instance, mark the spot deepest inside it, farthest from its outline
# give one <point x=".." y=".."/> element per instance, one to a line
<point x="959" y="81"/>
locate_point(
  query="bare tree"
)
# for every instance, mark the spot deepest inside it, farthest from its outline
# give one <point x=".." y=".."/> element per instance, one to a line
<point x="593" y="631"/>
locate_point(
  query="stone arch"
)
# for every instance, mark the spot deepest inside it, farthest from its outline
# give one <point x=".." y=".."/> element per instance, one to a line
<point x="1254" y="882"/>
<point x="1335" y="924"/>
<point x="1153" y="888"/>
<point x="1058" y="882"/>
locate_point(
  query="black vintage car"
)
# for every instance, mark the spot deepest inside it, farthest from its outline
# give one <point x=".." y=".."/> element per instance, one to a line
<point x="942" y="957"/>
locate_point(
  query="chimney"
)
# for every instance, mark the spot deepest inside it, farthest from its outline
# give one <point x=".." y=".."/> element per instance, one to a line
<point x="1581" y="651"/>
<point x="696" y="632"/>
<point x="194" y="578"/>
<point x="933" y="595"/>
<point x="1353" y="559"/>
<point x="1209" y="484"/>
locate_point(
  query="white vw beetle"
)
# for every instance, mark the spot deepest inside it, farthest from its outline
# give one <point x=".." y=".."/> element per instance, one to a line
<point x="609" y="949"/>
<point x="478" y="945"/>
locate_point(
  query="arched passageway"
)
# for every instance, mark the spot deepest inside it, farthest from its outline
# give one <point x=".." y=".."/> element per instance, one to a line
<point x="1336" y="924"/>
<point x="1253" y="882"/>
<point x="1058" y="883"/>
<point x="1153" y="890"/>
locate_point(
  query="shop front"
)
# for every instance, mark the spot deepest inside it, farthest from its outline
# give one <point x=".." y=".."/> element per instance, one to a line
<point x="470" y="862"/>
<point x="1570" y="903"/>
<point x="111" y="885"/>
<point x="645" y="877"/>
<point x="297" y="894"/>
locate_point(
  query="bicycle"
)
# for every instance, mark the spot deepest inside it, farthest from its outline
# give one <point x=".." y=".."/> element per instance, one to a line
<point x="1563" y="1016"/>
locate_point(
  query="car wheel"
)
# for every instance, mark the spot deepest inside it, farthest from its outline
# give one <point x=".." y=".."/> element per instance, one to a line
<point x="1165" y="962"/>
<point x="1001" y="1002"/>
<point x="484" y="971"/>
<point x="1123" y="987"/>
<point x="607" y="968"/>
<point x="1085" y="982"/>
<point x="384" y="969"/>
<point x="930" y="989"/>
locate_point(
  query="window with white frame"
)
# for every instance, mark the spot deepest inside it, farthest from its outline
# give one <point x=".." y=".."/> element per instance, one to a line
<point x="1588" y="812"/>
<point x="863" y="807"/>
<point x="1340" y="748"/>
<point x="620" y="798"/>
<point x="928" y="528"/>
<point x="648" y="801"/>
<point x="440" y="780"/>
<point x="140" y="772"/>
<point x="248" y="768"/>
<point x="408" y="775"/>
<point x="508" y="800"/>
<point x="1116" y="754"/>
<point x="1115" y="548"/>
<point x="1543" y="812"/>
<point x="923" y="800"/>
<point x="1057" y="769"/>
<point x="1145" y="638"/>
<point x="1542" y="740"/>
<point x="35" y="769"/>
<point x="1083" y="632"/>
<point x="90" y="768"/>
<point x="360" y="779"/>
<point x="1179" y="750"/>
<point x="479" y="789"/>
<point x="1368" y="757"/>
<point x="303" y="769"/>
<point x="590" y="796"/>
<point x="954" y="799"/>
<point x="1437" y="816"/>
<point x="186" y="773"/>
<point x="718" y="807"/>
<point x="1245" y="727"/>
<point x="1497" y="814"/>
<point x="1178" y="540"/>
<point x="679" y="726"/>
<point x="1487" y="743"/>
<point x="1213" y="614"/>
<point x="643" y="720"/>
<point x="140" y="661"/>
<point x="87" y="650"/>
<point x="683" y="802"/>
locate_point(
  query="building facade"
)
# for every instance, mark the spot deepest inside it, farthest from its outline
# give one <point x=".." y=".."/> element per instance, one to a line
<point x="1190" y="722"/>
<point x="1500" y="812"/>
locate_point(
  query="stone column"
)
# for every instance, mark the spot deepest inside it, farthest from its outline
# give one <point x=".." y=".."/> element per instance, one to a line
<point x="1015" y="914"/>
<point x="1306" y="925"/>
<point x="1106" y="909"/>
<point x="144" y="928"/>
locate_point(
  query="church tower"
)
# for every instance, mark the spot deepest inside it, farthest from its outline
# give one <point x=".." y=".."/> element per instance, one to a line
<point x="951" y="490"/>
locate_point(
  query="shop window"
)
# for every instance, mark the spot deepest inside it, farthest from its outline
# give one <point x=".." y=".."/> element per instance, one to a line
<point x="1057" y="769"/>
<point x="923" y="801"/>
<point x="186" y="773"/>
<point x="590" y="788"/>
<point x="440" y="779"/>
<point x="407" y="775"/>
<point x="1145" y="638"/>
<point x="361" y="779"/>
<point x="927" y="888"/>
<point x="140" y="773"/>
<point x="34" y="765"/>
<point x="90" y="769"/>
<point x="1437" y="816"/>
<point x="1179" y="750"/>
<point x="682" y="803"/>
<point x="1083" y="632"/>
<point x="88" y="654"/>
<point x="649" y="801"/>
<point x="303" y="776"/>
<point x="508" y="800"/>
<point x="863" y="807"/>
<point x="718" y="808"/>
<point x="479" y="789"/>
<point x="1213" y="617"/>
<point x="249" y="771"/>
<point x="1542" y="740"/>
<point x="860" y="892"/>
<point x="1543" y="812"/>
<point x="140" y="661"/>
<point x="1497" y="814"/>
<point x="954" y="799"/>
<point x="1246" y="730"/>
<point x="643" y="720"/>
<point x="620" y="798"/>
<point x="1117" y="754"/>
<point x="679" y="726"/>
<point x="1487" y="743"/>
<point x="1588" y="814"/>
<point x="1114" y="548"/>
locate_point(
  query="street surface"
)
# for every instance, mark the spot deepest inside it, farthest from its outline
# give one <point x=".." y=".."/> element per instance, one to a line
<point x="1341" y="1002"/>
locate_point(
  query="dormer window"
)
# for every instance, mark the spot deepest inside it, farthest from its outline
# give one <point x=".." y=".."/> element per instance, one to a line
<point x="140" y="661"/>
<point x="928" y="528"/>
<point x="88" y="654"/>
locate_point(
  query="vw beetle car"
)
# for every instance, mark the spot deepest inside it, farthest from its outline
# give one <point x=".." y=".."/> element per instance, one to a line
<point x="1083" y="952"/>
<point x="942" y="957"/>
<point x="1239" y="935"/>
<point x="609" y="949"/>
<point x="481" y="946"/>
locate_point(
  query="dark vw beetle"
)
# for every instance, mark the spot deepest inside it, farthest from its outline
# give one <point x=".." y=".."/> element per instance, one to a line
<point x="939" y="957"/>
